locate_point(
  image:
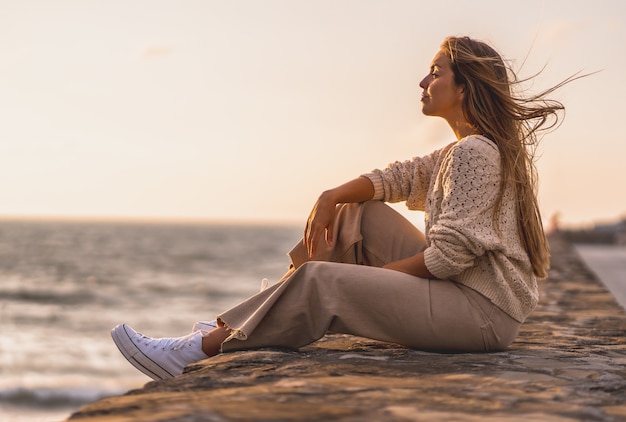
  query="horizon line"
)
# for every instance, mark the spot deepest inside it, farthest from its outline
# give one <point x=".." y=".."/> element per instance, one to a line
<point x="136" y="219"/>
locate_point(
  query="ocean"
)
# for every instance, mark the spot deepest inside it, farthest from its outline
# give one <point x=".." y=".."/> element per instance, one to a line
<point x="65" y="285"/>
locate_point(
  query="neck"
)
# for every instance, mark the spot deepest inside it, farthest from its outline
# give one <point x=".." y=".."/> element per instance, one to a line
<point x="459" y="124"/>
<point x="462" y="129"/>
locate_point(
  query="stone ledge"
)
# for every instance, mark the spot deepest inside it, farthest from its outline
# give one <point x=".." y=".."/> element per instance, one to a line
<point x="567" y="364"/>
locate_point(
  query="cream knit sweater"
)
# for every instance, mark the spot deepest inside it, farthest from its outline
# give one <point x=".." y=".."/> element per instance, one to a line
<point x="456" y="187"/>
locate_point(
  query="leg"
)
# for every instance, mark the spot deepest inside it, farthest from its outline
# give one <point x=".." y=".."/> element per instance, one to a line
<point x="387" y="236"/>
<point x="369" y="233"/>
<point x="386" y="305"/>
<point x="370" y="302"/>
<point x="212" y="341"/>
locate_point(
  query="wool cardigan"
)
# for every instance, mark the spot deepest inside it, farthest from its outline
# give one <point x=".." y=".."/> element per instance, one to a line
<point x="457" y="187"/>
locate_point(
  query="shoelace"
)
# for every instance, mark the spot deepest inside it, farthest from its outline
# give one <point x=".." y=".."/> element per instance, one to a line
<point x="164" y="343"/>
<point x="265" y="283"/>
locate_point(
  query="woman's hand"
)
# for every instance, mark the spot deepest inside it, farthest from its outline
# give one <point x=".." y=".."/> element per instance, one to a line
<point x="320" y="223"/>
<point x="322" y="217"/>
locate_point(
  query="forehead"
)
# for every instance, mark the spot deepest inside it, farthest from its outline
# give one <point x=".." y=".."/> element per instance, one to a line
<point x="441" y="59"/>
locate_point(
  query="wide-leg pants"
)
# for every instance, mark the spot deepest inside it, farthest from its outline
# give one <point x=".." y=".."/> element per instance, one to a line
<point x="344" y="290"/>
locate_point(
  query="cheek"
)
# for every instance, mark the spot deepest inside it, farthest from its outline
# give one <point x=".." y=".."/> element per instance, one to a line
<point x="440" y="89"/>
<point x="447" y="94"/>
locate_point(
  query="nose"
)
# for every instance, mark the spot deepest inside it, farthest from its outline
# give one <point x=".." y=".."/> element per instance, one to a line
<point x="424" y="82"/>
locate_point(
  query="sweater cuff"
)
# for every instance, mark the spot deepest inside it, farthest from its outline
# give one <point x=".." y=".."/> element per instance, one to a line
<point x="435" y="263"/>
<point x="377" y="181"/>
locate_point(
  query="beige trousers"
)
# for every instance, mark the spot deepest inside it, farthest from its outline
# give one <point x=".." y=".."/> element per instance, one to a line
<point x="344" y="291"/>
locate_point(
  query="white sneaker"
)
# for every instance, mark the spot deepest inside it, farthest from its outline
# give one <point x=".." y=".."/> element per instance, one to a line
<point x="204" y="326"/>
<point x="158" y="358"/>
<point x="210" y="325"/>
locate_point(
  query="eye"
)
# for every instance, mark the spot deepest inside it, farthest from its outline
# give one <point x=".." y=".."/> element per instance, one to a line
<point x="434" y="75"/>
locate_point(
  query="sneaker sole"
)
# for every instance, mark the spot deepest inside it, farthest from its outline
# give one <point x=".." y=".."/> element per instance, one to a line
<point x="135" y="356"/>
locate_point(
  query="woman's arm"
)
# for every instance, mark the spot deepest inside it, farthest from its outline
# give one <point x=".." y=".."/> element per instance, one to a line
<point x="413" y="265"/>
<point x="322" y="217"/>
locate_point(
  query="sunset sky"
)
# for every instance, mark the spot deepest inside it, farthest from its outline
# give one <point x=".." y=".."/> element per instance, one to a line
<point x="248" y="109"/>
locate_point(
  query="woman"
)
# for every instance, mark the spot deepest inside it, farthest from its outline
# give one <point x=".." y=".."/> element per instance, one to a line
<point x="464" y="286"/>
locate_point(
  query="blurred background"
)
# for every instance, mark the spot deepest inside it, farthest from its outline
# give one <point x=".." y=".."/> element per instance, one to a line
<point x="246" y="110"/>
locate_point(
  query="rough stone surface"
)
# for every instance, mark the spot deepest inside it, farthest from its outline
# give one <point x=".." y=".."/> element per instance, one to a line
<point x="566" y="365"/>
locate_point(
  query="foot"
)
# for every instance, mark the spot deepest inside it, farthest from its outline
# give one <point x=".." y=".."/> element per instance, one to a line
<point x="158" y="358"/>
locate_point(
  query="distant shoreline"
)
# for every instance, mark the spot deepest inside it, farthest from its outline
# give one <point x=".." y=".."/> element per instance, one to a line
<point x="174" y="221"/>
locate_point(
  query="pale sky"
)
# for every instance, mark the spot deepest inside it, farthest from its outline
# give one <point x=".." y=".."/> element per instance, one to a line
<point x="248" y="109"/>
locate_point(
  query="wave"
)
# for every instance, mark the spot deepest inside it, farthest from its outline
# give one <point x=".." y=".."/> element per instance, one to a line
<point x="43" y="296"/>
<point x="47" y="398"/>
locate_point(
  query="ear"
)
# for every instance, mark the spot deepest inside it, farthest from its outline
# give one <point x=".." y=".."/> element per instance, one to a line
<point x="461" y="91"/>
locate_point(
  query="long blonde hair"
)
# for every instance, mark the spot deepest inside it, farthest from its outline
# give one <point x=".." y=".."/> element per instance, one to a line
<point x="513" y="123"/>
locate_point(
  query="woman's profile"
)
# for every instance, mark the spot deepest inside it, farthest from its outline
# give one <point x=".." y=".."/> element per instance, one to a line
<point x="465" y="284"/>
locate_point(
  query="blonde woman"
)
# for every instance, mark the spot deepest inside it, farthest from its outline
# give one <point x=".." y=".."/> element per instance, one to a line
<point x="465" y="285"/>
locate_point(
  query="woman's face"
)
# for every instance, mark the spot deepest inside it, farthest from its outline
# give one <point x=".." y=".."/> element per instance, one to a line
<point x="441" y="96"/>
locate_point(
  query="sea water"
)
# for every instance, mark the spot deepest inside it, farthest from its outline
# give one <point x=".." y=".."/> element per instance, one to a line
<point x="608" y="262"/>
<point x="65" y="285"/>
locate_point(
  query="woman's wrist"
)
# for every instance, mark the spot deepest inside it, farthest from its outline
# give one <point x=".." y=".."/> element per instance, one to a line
<point x="329" y="197"/>
<point x="360" y="189"/>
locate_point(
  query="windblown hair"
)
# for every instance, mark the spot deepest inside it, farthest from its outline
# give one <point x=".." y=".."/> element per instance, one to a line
<point x="513" y="122"/>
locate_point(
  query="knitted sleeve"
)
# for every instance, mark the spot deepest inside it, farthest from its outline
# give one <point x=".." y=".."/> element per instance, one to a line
<point x="464" y="195"/>
<point x="405" y="181"/>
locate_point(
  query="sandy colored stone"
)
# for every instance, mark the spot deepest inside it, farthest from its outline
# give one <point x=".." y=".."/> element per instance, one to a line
<point x="568" y="364"/>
